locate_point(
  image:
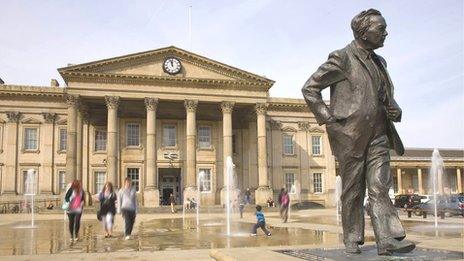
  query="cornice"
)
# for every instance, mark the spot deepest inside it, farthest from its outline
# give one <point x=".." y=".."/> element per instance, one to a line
<point x="166" y="80"/>
<point x="27" y="90"/>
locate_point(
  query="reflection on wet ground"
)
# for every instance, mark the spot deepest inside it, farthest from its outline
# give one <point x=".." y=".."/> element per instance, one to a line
<point x="445" y="230"/>
<point x="159" y="234"/>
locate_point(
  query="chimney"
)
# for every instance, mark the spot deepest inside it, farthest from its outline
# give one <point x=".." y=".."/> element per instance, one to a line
<point x="54" y="83"/>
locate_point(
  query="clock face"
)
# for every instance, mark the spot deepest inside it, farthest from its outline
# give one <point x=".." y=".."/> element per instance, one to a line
<point x="172" y="65"/>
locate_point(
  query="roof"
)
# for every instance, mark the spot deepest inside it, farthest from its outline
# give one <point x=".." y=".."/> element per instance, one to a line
<point x="427" y="153"/>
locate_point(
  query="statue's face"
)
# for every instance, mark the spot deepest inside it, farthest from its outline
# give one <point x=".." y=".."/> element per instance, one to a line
<point x="377" y="32"/>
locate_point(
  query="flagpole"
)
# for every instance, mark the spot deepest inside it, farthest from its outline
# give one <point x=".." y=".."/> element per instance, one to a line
<point x="190" y="26"/>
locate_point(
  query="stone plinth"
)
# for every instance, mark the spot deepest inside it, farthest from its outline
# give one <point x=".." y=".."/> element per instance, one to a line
<point x="262" y="194"/>
<point x="234" y="192"/>
<point x="151" y="198"/>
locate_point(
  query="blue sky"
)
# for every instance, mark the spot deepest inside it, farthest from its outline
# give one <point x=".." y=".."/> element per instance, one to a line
<point x="283" y="40"/>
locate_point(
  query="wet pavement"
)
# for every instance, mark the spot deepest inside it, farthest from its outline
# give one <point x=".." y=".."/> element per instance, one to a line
<point x="444" y="230"/>
<point x="50" y="237"/>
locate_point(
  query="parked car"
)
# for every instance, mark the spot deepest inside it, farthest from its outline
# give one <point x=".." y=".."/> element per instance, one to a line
<point x="448" y="204"/>
<point x="408" y="200"/>
<point x="425" y="198"/>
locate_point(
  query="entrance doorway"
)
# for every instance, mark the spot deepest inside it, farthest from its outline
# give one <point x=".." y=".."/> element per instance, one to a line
<point x="169" y="182"/>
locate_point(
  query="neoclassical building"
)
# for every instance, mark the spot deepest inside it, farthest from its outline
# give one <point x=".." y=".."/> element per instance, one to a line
<point x="162" y="117"/>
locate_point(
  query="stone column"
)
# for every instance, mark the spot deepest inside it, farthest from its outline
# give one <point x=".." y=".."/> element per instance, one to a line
<point x="79" y="146"/>
<point x="226" y="108"/>
<point x="72" y="102"/>
<point x="47" y="178"/>
<point x="112" y="103"/>
<point x="151" y="192"/>
<point x="400" y="181"/>
<point x="264" y="191"/>
<point x="276" y="136"/>
<point x="458" y="179"/>
<point x="11" y="153"/>
<point x="86" y="180"/>
<point x="419" y="178"/>
<point x="441" y="189"/>
<point x="190" y="155"/>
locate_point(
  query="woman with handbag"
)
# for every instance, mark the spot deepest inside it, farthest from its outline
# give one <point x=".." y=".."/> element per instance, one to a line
<point x="107" y="199"/>
<point x="73" y="204"/>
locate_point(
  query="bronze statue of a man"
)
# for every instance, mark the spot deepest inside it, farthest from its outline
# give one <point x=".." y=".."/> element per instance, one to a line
<point x="359" y="122"/>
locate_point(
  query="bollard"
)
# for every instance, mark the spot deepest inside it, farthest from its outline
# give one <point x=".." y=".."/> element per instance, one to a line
<point x="409" y="213"/>
<point x="442" y="215"/>
<point x="424" y="214"/>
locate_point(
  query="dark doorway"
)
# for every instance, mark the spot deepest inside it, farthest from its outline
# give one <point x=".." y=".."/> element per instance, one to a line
<point x="170" y="182"/>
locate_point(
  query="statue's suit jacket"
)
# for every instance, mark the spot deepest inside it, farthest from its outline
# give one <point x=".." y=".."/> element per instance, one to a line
<point x="353" y="102"/>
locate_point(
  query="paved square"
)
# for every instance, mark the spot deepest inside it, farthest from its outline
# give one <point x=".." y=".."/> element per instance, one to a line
<point x="370" y="254"/>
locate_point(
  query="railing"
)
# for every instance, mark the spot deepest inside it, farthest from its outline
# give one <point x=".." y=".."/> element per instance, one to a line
<point x="24" y="206"/>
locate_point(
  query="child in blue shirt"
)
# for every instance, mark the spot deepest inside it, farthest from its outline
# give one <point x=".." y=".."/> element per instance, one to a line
<point x="261" y="222"/>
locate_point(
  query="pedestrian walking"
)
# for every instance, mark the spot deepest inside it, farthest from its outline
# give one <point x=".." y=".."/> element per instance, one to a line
<point x="127" y="200"/>
<point x="74" y="202"/>
<point x="241" y="205"/>
<point x="284" y="200"/>
<point x="248" y="196"/>
<point x="260" y="222"/>
<point x="107" y="199"/>
<point x="172" y="201"/>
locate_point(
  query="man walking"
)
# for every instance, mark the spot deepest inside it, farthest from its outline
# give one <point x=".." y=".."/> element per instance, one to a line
<point x="361" y="132"/>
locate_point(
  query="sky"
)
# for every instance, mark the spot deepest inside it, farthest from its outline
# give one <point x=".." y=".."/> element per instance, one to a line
<point x="285" y="41"/>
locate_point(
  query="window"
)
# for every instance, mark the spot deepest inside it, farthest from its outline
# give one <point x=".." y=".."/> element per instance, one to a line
<point x="100" y="177"/>
<point x="132" y="134"/>
<point x="204" y="137"/>
<point x="415" y="182"/>
<point x="100" y="140"/>
<point x="169" y="135"/>
<point x="395" y="184"/>
<point x="205" y="181"/>
<point x="63" y="139"/>
<point x="289" y="181"/>
<point x="30" y="181"/>
<point x="61" y="180"/>
<point x="288" y="144"/>
<point x="30" y="139"/>
<point x="317" y="182"/>
<point x="133" y="173"/>
<point x="316" y="145"/>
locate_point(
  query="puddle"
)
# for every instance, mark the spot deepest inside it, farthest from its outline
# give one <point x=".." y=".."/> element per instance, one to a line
<point x="51" y="237"/>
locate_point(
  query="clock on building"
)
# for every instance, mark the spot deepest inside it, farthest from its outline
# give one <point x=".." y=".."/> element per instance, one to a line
<point x="172" y="65"/>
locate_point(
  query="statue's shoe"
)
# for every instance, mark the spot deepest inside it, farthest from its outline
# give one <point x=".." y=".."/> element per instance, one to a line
<point x="389" y="246"/>
<point x="352" y="248"/>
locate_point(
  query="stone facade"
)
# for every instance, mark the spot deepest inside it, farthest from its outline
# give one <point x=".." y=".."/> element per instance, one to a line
<point x="126" y="116"/>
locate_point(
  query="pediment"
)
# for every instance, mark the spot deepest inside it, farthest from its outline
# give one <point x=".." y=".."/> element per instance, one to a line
<point x="31" y="121"/>
<point x="316" y="130"/>
<point x="62" y="122"/>
<point x="149" y="66"/>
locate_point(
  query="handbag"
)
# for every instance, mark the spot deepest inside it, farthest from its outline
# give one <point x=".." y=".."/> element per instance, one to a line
<point x="65" y="205"/>
<point x="99" y="217"/>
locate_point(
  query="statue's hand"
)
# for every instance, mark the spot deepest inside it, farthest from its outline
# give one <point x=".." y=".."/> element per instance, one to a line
<point x="394" y="113"/>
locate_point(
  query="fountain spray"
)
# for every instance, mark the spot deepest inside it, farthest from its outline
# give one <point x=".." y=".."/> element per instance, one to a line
<point x="436" y="170"/>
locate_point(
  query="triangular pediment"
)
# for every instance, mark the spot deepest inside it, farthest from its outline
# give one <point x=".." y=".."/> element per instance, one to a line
<point x="149" y="66"/>
<point x="31" y="121"/>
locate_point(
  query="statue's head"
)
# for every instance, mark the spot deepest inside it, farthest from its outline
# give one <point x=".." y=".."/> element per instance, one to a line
<point x="369" y="29"/>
